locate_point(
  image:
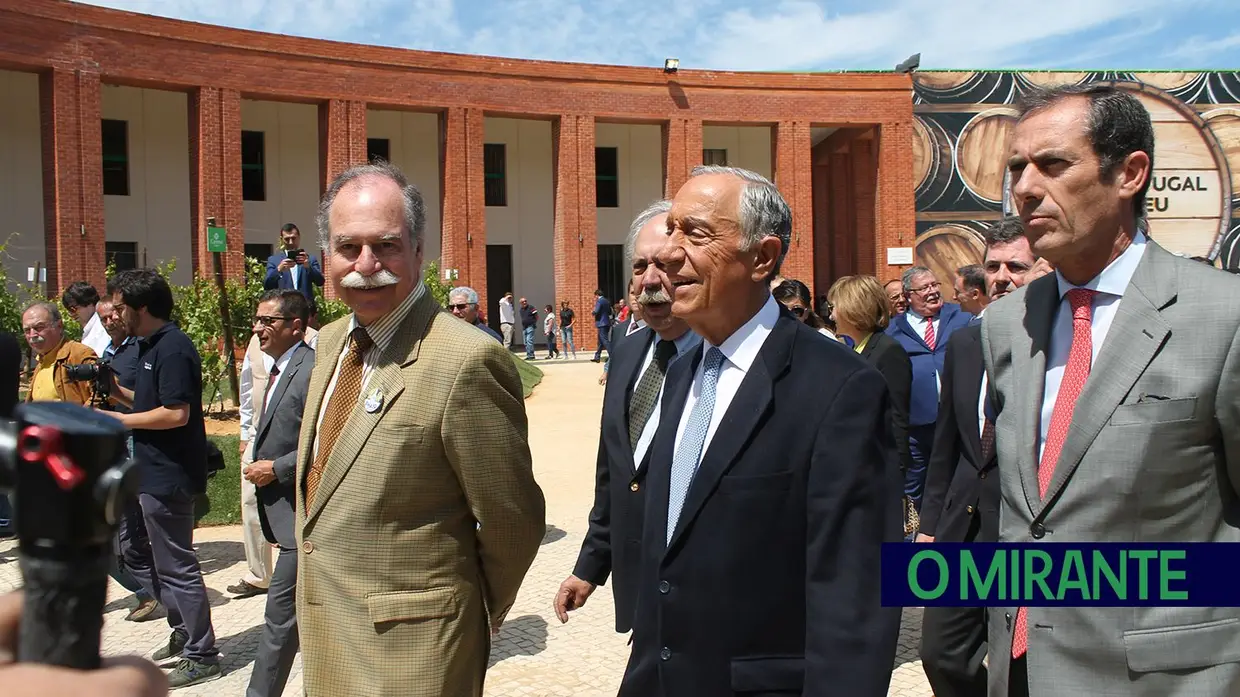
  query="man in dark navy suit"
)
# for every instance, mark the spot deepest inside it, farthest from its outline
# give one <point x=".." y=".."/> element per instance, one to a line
<point x="772" y="482"/>
<point x="638" y="364"/>
<point x="293" y="267"/>
<point x="923" y="330"/>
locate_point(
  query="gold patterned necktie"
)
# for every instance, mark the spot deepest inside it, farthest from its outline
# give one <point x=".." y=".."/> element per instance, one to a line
<point x="339" y="406"/>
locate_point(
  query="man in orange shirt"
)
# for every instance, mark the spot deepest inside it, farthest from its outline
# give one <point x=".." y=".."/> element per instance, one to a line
<point x="45" y="332"/>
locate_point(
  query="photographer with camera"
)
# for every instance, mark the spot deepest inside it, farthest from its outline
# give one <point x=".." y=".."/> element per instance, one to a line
<point x="54" y="376"/>
<point x="170" y="448"/>
<point x="293" y="268"/>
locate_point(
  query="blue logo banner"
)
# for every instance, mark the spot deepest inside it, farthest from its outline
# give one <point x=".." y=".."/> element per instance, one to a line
<point x="1061" y="574"/>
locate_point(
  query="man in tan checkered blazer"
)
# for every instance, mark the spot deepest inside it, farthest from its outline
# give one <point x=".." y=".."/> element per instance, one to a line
<point x="417" y="510"/>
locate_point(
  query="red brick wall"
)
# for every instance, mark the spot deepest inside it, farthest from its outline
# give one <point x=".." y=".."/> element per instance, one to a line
<point x="215" y="176"/>
<point x="216" y="69"/>
<point x="72" y="178"/>
<point x="342" y="144"/>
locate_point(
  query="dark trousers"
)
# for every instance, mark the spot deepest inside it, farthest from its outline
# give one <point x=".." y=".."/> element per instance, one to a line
<point x="157" y="539"/>
<point x="122" y="575"/>
<point x="604" y="342"/>
<point x="1018" y="677"/>
<point x="953" y="644"/>
<point x="920" y="441"/>
<point x="281" y="640"/>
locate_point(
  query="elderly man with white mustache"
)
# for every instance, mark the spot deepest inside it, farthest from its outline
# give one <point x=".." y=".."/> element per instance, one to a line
<point x="417" y="510"/>
<point x="637" y="367"/>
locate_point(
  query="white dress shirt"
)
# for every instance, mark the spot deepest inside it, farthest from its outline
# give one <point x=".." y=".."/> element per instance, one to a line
<point x="95" y="336"/>
<point x="739" y="352"/>
<point x="506" y="315"/>
<point x="981" y="398"/>
<point x="272" y="381"/>
<point x="919" y="324"/>
<point x="381" y="333"/>
<point x="1110" y="284"/>
<point x="684" y="346"/>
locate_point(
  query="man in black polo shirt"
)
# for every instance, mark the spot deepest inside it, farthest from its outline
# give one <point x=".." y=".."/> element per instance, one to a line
<point x="165" y="416"/>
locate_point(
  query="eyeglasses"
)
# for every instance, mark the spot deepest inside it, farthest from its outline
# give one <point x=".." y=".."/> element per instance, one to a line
<point x="460" y="306"/>
<point x="929" y="287"/>
<point x="268" y="320"/>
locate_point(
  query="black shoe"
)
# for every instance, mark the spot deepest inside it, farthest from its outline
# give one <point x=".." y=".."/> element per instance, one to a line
<point x="189" y="672"/>
<point x="245" y="589"/>
<point x="176" y="644"/>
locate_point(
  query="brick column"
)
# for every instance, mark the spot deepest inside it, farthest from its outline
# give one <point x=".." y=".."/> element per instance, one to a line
<point x="895" y="199"/>
<point x="463" y="198"/>
<point x="215" y="177"/>
<point x="682" y="151"/>
<point x="575" y="247"/>
<point x="72" y="178"/>
<point x="864" y="178"/>
<point x="342" y="144"/>
<point x="794" y="177"/>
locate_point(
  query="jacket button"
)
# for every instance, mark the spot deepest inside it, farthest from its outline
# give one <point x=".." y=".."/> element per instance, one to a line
<point x="307" y="546"/>
<point x="634" y="486"/>
<point x="665" y="653"/>
<point x="982" y="475"/>
<point x="1038" y="531"/>
<point x="969" y="510"/>
<point x="665" y="587"/>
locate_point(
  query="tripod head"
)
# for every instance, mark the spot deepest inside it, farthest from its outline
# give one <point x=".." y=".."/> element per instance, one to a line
<point x="70" y="472"/>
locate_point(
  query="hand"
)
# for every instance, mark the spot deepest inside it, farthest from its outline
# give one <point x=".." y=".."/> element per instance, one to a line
<point x="241" y="450"/>
<point x="303" y="259"/>
<point x="922" y="537"/>
<point x="124" y="676"/>
<point x="285" y="265"/>
<point x="572" y="595"/>
<point x="260" y="472"/>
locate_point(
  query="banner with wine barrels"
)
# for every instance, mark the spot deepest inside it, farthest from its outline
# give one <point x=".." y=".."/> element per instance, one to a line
<point x="963" y="121"/>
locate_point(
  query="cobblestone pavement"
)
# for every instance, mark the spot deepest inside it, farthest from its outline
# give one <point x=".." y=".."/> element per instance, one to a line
<point x="534" y="654"/>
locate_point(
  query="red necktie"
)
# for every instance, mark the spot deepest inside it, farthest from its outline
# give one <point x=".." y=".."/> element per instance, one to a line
<point x="1074" y="376"/>
<point x="930" y="332"/>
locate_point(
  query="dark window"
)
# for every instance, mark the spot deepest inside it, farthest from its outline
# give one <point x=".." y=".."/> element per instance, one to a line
<point x="715" y="156"/>
<point x="495" y="167"/>
<point x="122" y="255"/>
<point x="253" y="167"/>
<point x="612" y="278"/>
<point x="607" y="179"/>
<point x="378" y="149"/>
<point x="115" y="157"/>
<point x="261" y="252"/>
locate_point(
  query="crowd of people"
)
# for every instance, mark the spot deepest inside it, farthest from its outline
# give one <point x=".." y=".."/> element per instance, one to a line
<point x="757" y="448"/>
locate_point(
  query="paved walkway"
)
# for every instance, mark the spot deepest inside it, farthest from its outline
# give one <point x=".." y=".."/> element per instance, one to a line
<point x="534" y="655"/>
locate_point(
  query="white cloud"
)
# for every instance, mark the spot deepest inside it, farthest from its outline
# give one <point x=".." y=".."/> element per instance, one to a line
<point x="1197" y="48"/>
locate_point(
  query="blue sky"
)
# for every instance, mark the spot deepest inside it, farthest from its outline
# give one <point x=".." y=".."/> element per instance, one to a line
<point x="800" y="35"/>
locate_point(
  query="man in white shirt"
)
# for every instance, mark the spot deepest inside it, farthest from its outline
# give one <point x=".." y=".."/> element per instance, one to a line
<point x="79" y="300"/>
<point x="772" y="469"/>
<point x="507" y="318"/>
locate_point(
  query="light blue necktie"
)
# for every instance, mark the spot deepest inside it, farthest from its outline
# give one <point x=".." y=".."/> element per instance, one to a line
<point x="688" y="455"/>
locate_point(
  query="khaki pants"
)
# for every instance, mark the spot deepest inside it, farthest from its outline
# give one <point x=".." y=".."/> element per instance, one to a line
<point x="257" y="548"/>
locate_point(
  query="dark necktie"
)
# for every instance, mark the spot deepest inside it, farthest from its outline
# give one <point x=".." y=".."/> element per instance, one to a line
<point x="988" y="442"/>
<point x="641" y="405"/>
<point x="271" y="382"/>
<point x="344" y="398"/>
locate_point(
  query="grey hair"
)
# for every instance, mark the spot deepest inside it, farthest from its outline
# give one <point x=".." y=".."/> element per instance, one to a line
<point x="414" y="207"/>
<point x="763" y="210"/>
<point x="906" y="278"/>
<point x="652" y="211"/>
<point x="50" y="308"/>
<point x="471" y="295"/>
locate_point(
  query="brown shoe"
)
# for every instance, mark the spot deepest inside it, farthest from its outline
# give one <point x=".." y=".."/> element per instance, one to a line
<point x="245" y="589"/>
<point x="144" y="611"/>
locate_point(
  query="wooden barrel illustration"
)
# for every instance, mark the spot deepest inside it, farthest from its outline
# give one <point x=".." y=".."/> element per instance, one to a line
<point x="945" y="248"/>
<point x="943" y="80"/>
<point x="932" y="160"/>
<point x="1168" y="80"/>
<point x="981" y="152"/>
<point x="1053" y="78"/>
<point x="954" y="87"/>
<point x="1225" y="123"/>
<point x="1189" y="200"/>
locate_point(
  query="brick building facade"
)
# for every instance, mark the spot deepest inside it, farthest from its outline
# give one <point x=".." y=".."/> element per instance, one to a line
<point x="841" y="144"/>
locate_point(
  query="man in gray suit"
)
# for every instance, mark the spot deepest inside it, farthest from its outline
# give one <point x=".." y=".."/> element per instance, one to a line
<point x="280" y="323"/>
<point x="1117" y="383"/>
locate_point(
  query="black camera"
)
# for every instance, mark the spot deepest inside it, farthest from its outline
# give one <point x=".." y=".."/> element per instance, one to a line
<point x="99" y="374"/>
<point x="294" y="253"/>
<point x="69" y="470"/>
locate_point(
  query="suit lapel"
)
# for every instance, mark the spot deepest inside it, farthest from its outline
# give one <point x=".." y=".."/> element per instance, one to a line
<point x="330" y="344"/>
<point x="388" y="380"/>
<point x="1136" y="334"/>
<point x="625" y="370"/>
<point x="905" y="326"/>
<point x="284" y="379"/>
<point x="1029" y="359"/>
<point x="745" y="413"/>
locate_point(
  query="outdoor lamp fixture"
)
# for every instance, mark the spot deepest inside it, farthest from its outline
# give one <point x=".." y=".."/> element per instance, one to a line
<point x="671" y="65"/>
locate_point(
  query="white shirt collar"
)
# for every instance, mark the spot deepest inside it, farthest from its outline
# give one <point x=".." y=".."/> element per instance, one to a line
<point x="741" y="349"/>
<point x="1115" y="277"/>
<point x="282" y="362"/>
